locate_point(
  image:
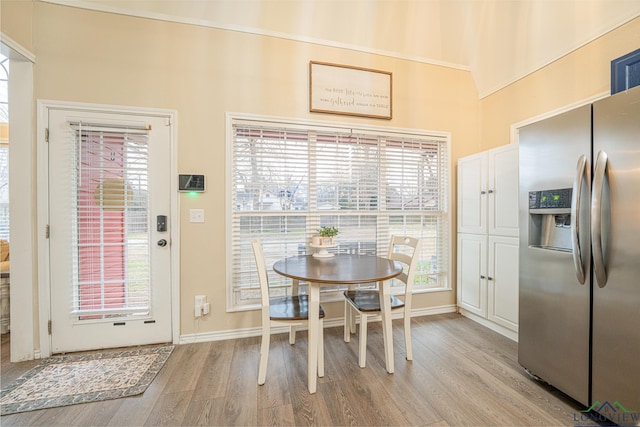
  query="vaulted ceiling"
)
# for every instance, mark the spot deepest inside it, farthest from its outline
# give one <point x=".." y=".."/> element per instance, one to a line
<point x="499" y="41"/>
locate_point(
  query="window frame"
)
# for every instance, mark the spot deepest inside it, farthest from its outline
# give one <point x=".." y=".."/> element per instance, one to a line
<point x="311" y="125"/>
<point x="620" y="69"/>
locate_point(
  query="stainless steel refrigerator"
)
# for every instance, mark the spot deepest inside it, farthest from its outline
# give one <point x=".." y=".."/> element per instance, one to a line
<point x="579" y="326"/>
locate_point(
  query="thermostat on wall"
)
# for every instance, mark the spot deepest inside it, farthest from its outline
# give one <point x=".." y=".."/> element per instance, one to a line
<point x="191" y="183"/>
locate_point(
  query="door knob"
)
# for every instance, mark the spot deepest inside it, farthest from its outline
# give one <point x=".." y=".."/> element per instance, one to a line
<point x="162" y="243"/>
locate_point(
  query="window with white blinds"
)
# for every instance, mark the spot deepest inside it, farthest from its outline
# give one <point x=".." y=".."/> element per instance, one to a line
<point x="111" y="260"/>
<point x="288" y="180"/>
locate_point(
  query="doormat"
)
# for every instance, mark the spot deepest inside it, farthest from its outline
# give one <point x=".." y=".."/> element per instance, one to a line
<point x="71" y="379"/>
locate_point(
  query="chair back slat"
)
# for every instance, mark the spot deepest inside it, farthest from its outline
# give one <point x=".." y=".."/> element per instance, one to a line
<point x="403" y="258"/>
<point x="405" y="250"/>
<point x="263" y="278"/>
<point x="403" y="278"/>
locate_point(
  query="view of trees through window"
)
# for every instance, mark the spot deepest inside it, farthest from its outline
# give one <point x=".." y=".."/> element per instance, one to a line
<point x="287" y="182"/>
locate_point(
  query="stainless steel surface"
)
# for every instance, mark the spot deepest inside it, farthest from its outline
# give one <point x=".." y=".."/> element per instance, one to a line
<point x="578" y="255"/>
<point x="596" y="219"/>
<point x="616" y="306"/>
<point x="554" y="307"/>
<point x="553" y="232"/>
<point x="561" y="321"/>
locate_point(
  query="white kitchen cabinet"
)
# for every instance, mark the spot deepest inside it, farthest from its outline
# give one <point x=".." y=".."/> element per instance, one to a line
<point x="502" y="281"/>
<point x="487" y="257"/>
<point x="472" y="287"/>
<point x="488" y="192"/>
<point x="487" y="288"/>
<point x="472" y="187"/>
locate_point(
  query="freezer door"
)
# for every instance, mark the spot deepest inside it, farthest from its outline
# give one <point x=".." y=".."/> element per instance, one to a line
<point x="553" y="341"/>
<point x="616" y="229"/>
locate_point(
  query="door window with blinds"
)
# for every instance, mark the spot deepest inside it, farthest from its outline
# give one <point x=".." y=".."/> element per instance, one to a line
<point x="288" y="180"/>
<point x="110" y="253"/>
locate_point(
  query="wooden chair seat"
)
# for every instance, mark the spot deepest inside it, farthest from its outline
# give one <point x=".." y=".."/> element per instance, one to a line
<point x="291" y="308"/>
<point x="369" y="300"/>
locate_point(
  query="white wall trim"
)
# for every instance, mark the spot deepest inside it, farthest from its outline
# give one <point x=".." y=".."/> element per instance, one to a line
<point x="512" y="335"/>
<point x="43" y="107"/>
<point x="516" y="126"/>
<point x="15" y="48"/>
<point x="232" y="334"/>
<point x="43" y="296"/>
<point x="22" y="205"/>
<point x="174" y="234"/>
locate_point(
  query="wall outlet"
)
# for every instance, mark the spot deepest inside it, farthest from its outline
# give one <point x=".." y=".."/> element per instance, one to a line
<point x="201" y="301"/>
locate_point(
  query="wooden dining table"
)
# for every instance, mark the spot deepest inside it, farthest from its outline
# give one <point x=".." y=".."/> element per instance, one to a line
<point x="341" y="269"/>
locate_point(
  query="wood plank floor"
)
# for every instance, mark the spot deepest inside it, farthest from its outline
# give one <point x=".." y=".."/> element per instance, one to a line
<point x="463" y="374"/>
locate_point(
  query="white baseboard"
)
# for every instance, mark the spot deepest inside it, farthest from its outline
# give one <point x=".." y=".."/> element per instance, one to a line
<point x="512" y="335"/>
<point x="256" y="332"/>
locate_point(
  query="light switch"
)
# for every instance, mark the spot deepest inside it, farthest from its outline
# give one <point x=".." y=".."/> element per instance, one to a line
<point x="196" y="215"/>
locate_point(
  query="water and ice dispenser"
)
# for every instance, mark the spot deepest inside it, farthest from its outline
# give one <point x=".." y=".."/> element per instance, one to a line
<point x="550" y="219"/>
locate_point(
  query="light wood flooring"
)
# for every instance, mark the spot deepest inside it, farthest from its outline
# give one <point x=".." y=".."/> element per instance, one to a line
<point x="463" y="374"/>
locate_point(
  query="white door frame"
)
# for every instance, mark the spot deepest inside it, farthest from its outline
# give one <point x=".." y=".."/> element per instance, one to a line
<point x="43" y="210"/>
<point x="21" y="209"/>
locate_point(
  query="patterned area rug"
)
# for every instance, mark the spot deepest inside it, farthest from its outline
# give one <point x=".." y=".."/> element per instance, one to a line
<point x="67" y="380"/>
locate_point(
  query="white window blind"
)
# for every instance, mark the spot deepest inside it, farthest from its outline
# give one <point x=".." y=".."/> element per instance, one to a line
<point x="110" y="258"/>
<point x="289" y="180"/>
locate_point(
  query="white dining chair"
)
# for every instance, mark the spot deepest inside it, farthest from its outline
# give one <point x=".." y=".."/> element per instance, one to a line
<point x="291" y="310"/>
<point x="366" y="302"/>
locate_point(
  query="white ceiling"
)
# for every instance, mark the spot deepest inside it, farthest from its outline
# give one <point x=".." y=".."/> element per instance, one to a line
<point x="499" y="41"/>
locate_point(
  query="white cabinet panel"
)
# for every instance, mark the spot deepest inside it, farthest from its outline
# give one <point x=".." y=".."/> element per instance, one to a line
<point x="472" y="202"/>
<point x="472" y="265"/>
<point x="503" y="191"/>
<point x="502" y="281"/>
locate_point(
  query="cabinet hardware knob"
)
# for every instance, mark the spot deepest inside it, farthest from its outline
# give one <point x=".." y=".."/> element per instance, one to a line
<point x="490" y="191"/>
<point x="483" y="192"/>
<point x="490" y="278"/>
<point x="481" y="276"/>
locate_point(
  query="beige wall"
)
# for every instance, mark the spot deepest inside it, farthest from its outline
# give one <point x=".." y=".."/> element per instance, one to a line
<point x="575" y="77"/>
<point x="16" y="22"/>
<point x="204" y="73"/>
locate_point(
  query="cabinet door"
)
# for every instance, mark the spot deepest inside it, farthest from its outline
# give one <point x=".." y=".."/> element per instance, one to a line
<point x="472" y="197"/>
<point x="503" y="191"/>
<point x="472" y="264"/>
<point x="502" y="281"/>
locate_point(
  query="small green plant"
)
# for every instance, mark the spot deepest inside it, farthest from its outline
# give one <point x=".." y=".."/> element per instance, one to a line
<point x="328" y="231"/>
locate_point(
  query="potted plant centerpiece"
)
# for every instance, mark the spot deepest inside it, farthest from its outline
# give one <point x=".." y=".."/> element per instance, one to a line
<point x="327" y="233"/>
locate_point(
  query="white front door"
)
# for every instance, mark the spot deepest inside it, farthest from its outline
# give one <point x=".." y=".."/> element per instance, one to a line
<point x="109" y="206"/>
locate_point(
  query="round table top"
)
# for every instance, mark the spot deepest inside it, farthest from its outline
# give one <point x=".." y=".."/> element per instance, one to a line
<point x="340" y="269"/>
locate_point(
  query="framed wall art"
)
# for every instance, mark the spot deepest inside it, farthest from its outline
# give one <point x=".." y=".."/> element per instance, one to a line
<point x="352" y="91"/>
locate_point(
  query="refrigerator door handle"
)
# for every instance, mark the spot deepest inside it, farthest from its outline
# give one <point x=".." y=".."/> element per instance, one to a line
<point x="576" y="202"/>
<point x="599" y="267"/>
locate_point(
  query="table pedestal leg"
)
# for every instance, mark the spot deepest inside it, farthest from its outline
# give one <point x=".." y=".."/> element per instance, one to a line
<point x="387" y="331"/>
<point x="314" y="329"/>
